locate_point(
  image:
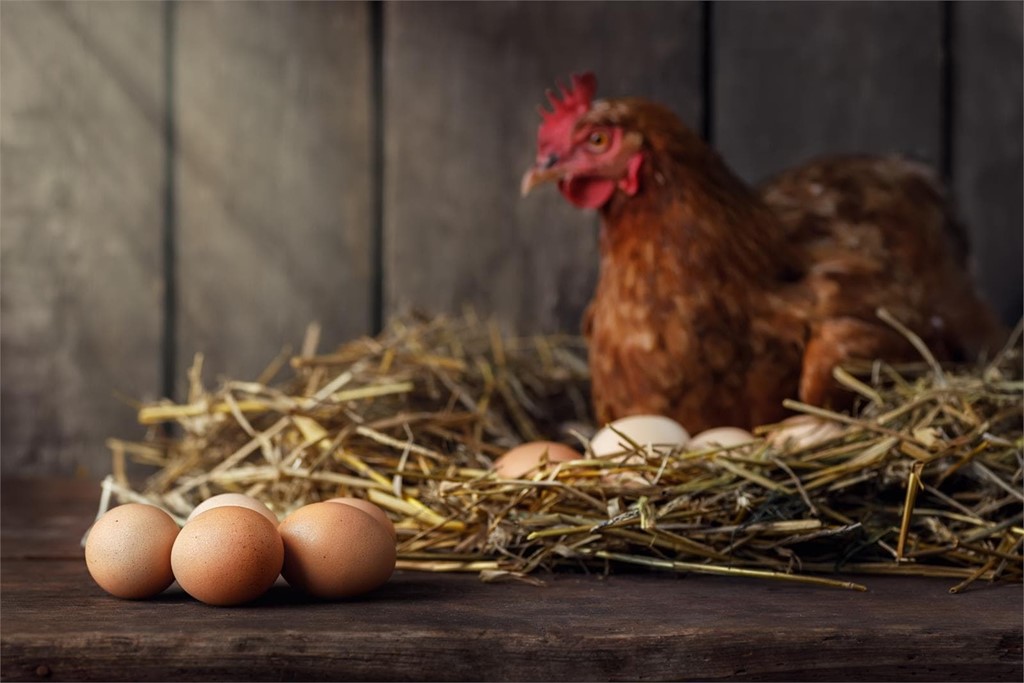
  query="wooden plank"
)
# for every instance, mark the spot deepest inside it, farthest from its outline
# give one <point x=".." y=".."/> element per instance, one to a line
<point x="33" y="531"/>
<point x="81" y="129"/>
<point x="794" y="80"/>
<point x="423" y="626"/>
<point x="987" y="144"/>
<point x="455" y="628"/>
<point x="462" y="83"/>
<point x="274" y="179"/>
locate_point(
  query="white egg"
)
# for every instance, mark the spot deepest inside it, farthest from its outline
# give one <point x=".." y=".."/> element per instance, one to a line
<point x="660" y="433"/>
<point x="719" y="437"/>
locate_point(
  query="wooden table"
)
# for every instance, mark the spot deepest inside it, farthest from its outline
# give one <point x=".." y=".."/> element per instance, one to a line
<point x="58" y="625"/>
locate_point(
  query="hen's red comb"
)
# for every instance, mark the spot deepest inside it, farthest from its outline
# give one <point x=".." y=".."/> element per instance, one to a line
<point x="573" y="101"/>
<point x="557" y="124"/>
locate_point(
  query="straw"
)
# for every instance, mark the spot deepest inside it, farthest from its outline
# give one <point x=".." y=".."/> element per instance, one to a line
<point x="924" y="478"/>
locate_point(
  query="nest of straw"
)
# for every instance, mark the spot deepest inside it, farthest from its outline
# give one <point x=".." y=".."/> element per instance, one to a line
<point x="924" y="478"/>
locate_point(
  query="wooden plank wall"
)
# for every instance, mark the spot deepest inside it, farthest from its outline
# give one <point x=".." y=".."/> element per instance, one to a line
<point x="862" y="77"/>
<point x="274" y="226"/>
<point x="985" y="147"/>
<point x="214" y="176"/>
<point x="82" y="117"/>
<point x="451" y="239"/>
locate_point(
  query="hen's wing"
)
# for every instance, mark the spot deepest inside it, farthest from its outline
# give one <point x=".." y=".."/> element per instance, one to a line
<point x="877" y="232"/>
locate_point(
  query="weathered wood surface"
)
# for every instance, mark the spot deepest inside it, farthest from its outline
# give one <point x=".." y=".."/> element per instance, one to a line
<point x="274" y="173"/>
<point x="45" y="520"/>
<point x="463" y="81"/>
<point x="58" y="625"/>
<point x="988" y="139"/>
<point x="794" y="80"/>
<point x="82" y="116"/>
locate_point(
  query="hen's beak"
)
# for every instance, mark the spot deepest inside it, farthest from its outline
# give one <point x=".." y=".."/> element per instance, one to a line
<point x="538" y="175"/>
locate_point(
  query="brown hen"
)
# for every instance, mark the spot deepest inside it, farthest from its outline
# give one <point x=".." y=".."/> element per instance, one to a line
<point x="716" y="301"/>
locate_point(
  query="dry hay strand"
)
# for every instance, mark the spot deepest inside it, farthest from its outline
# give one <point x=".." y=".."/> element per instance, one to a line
<point x="923" y="479"/>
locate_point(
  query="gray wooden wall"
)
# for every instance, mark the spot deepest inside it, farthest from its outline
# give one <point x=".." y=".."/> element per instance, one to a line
<point x="212" y="176"/>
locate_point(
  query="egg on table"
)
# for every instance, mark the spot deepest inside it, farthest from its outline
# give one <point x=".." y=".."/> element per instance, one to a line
<point x="370" y="509"/>
<point x="128" y="551"/>
<point x="527" y="457"/>
<point x="655" y="431"/>
<point x="336" y="551"/>
<point x="227" y="555"/>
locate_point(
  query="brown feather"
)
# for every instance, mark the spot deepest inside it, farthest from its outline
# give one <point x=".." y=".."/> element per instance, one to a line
<point x="716" y="302"/>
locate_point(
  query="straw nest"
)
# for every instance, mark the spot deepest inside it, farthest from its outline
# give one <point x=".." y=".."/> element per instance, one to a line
<point x="923" y="479"/>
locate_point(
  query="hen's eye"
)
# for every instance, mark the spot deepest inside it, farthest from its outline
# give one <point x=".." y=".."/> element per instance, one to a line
<point x="598" y="140"/>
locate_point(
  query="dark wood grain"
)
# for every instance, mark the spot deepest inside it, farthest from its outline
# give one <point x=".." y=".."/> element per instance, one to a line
<point x="46" y="519"/>
<point x="462" y="83"/>
<point x="793" y="80"/>
<point x="427" y="627"/>
<point x="57" y="624"/>
<point x="988" y="138"/>
<point x="81" y="116"/>
<point x="274" y="179"/>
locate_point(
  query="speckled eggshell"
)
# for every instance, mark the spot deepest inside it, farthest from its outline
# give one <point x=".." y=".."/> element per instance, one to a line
<point x="237" y="499"/>
<point x="227" y="556"/>
<point x="526" y="457"/>
<point x="128" y="552"/>
<point x="370" y="509"/>
<point x="336" y="551"/>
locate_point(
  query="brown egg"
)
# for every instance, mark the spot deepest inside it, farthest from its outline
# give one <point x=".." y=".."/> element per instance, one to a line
<point x="526" y="457"/>
<point x="128" y="552"/>
<point x="336" y="551"/>
<point x="238" y="499"/>
<point x="370" y="509"/>
<point x="227" y="556"/>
